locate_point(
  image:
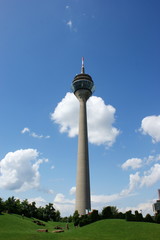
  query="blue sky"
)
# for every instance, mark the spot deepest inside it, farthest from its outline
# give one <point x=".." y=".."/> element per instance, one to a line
<point x="41" y="46"/>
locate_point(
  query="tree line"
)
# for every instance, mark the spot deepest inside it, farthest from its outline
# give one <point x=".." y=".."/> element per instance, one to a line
<point x="111" y="212"/>
<point x="48" y="213"/>
<point x="24" y="208"/>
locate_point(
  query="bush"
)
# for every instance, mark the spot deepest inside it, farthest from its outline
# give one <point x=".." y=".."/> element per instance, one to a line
<point x="148" y="218"/>
<point x="138" y="217"/>
<point x="129" y="216"/>
<point x="107" y="213"/>
<point x="121" y="215"/>
<point x="94" y="216"/>
<point x="84" y="220"/>
<point x="157" y="218"/>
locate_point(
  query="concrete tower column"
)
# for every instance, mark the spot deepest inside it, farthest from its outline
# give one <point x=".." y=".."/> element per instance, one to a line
<point x="83" y="202"/>
<point x="83" y="87"/>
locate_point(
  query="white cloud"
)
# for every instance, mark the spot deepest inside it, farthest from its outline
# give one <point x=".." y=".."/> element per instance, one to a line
<point x="40" y="202"/>
<point x="60" y="198"/>
<point x="64" y="205"/>
<point x="145" y="208"/>
<point x="134" y="180"/>
<point x="151" y="125"/>
<point x="69" y="24"/>
<point x="25" y="130"/>
<point x="100" y="119"/>
<point x="65" y="209"/>
<point x="151" y="176"/>
<point x="133" y="163"/>
<point x="33" y="134"/>
<point x="104" y="198"/>
<point x="148" y="179"/>
<point x="72" y="191"/>
<point x="19" y="170"/>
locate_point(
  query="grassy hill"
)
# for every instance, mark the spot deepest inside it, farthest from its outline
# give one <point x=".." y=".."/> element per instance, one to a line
<point x="14" y="227"/>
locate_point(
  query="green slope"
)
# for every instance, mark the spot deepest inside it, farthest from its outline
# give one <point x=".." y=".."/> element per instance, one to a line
<point x="13" y="227"/>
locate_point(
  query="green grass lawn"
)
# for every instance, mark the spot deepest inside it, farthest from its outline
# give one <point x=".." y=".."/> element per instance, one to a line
<point x="14" y="227"/>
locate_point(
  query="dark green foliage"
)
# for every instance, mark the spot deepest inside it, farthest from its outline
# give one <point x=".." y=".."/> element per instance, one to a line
<point x="148" y="218"/>
<point x="129" y="216"/>
<point x="57" y="216"/>
<point x="157" y="218"/>
<point x="12" y="205"/>
<point x="84" y="220"/>
<point x="114" y="211"/>
<point x="93" y="216"/>
<point x="76" y="218"/>
<point x="70" y="219"/>
<point x="107" y="212"/>
<point x="49" y="213"/>
<point x="121" y="215"/>
<point x="24" y="208"/>
<point x="138" y="217"/>
<point x="1" y="205"/>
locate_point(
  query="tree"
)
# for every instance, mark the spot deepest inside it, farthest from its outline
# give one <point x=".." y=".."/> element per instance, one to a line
<point x="49" y="212"/>
<point x="94" y="216"/>
<point x="70" y="219"/>
<point x="148" y="218"/>
<point x="129" y="216"/>
<point x="138" y="216"/>
<point x="57" y="216"/>
<point x="25" y="208"/>
<point x="40" y="213"/>
<point x="107" y="212"/>
<point x="84" y="220"/>
<point x="121" y="215"/>
<point x="1" y="205"/>
<point x="12" y="205"/>
<point x="114" y="211"/>
<point x="157" y="218"/>
<point x="76" y="218"/>
<point x="33" y="210"/>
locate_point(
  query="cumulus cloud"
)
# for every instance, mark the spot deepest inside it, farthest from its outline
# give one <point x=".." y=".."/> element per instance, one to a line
<point x="100" y="119"/>
<point x="151" y="125"/>
<point x="40" y="202"/>
<point x="72" y="191"/>
<point x="19" y="170"/>
<point x="148" y="178"/>
<point x="33" y="134"/>
<point x="133" y="163"/>
<point x="60" y="198"/>
<point x="65" y="209"/>
<point x="145" y="208"/>
<point x="151" y="176"/>
<point x="64" y="205"/>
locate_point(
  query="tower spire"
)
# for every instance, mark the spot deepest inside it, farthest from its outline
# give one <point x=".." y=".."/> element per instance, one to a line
<point x="82" y="68"/>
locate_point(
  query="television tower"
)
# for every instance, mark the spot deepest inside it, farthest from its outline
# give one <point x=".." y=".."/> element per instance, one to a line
<point x="83" y="87"/>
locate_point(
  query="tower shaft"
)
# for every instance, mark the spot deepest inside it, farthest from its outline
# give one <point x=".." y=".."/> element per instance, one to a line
<point x="83" y="202"/>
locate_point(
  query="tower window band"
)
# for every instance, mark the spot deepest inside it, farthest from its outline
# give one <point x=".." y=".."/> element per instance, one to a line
<point x="83" y="84"/>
